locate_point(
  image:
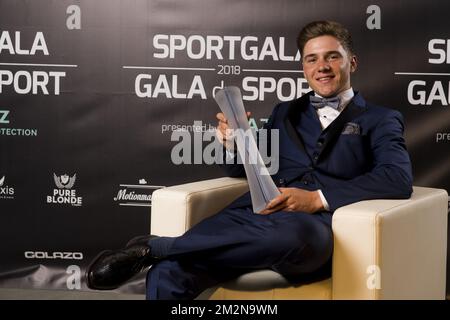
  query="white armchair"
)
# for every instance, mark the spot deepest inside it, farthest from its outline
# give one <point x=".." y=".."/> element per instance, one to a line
<point x="383" y="249"/>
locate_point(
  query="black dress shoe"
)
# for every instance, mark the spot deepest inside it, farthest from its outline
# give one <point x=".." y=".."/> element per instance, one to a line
<point x="111" y="269"/>
<point x="141" y="240"/>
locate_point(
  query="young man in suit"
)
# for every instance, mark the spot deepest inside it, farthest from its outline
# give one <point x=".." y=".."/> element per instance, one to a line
<point x="335" y="149"/>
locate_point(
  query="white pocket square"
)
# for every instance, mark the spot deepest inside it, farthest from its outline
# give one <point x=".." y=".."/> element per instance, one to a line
<point x="351" y="128"/>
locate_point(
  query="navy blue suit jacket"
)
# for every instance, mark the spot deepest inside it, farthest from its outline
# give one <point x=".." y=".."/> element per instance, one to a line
<point x="361" y="155"/>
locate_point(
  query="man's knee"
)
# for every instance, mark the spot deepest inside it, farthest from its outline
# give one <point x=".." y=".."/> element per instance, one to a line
<point x="306" y="248"/>
<point x="305" y="260"/>
<point x="296" y="234"/>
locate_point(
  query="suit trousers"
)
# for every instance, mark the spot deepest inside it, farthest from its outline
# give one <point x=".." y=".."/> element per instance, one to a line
<point x="236" y="241"/>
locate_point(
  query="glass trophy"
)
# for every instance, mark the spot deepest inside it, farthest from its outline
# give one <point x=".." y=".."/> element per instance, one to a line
<point x="262" y="187"/>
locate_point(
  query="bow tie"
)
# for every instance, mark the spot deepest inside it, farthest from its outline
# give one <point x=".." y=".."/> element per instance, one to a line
<point x="318" y="102"/>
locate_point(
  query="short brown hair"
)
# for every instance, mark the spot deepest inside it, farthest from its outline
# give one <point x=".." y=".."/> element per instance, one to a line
<point x="322" y="28"/>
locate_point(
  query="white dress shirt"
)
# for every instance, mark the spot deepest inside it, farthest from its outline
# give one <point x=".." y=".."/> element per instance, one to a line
<point x="326" y="116"/>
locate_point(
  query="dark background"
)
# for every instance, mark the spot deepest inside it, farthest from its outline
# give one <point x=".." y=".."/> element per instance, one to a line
<point x="98" y="129"/>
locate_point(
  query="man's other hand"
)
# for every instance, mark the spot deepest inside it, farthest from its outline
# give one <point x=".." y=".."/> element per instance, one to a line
<point x="224" y="132"/>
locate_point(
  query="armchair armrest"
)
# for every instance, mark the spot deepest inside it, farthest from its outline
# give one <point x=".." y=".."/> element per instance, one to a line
<point x="175" y="209"/>
<point x="391" y="249"/>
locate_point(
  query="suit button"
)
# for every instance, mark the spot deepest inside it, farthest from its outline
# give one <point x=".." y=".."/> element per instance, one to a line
<point x="310" y="168"/>
<point x="305" y="182"/>
<point x="316" y="157"/>
<point x="319" y="143"/>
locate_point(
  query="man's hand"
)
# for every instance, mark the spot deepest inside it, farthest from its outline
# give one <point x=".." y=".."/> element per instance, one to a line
<point x="295" y="199"/>
<point x="224" y="132"/>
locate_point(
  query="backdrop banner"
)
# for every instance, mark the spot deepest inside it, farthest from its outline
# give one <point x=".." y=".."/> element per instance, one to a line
<point x="94" y="94"/>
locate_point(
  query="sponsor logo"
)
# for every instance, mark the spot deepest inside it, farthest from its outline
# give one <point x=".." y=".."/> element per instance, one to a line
<point x="65" y="194"/>
<point x="24" y="132"/>
<point x="53" y="255"/>
<point x="136" y="195"/>
<point x="64" y="181"/>
<point x="6" y="191"/>
<point x="4" y="116"/>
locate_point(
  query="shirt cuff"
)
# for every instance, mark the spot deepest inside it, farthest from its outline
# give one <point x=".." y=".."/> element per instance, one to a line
<point x="324" y="201"/>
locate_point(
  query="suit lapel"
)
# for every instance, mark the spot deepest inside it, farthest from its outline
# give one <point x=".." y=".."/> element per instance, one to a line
<point x="292" y="117"/>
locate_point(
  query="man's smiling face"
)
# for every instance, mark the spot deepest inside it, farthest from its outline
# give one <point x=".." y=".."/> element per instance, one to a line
<point x="327" y="65"/>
